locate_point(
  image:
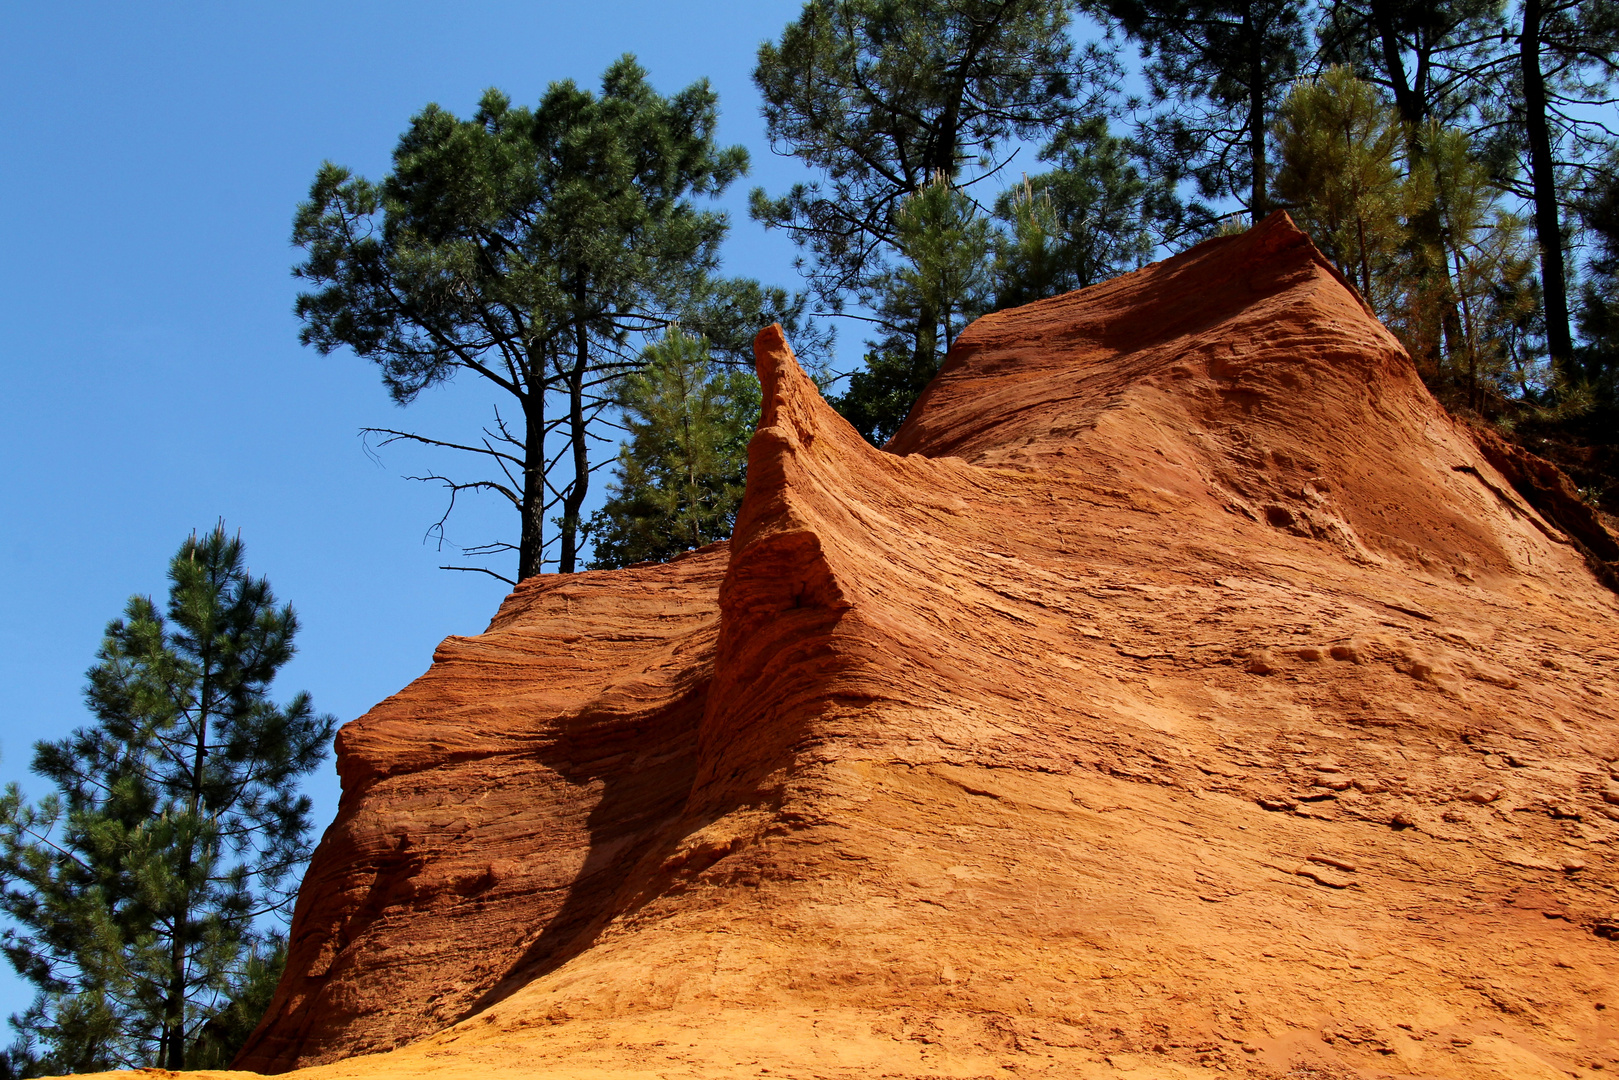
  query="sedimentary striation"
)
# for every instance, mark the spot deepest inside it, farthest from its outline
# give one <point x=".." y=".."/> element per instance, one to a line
<point x="1181" y="689"/>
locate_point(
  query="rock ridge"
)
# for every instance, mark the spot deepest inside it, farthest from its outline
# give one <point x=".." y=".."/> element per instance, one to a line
<point x="1176" y="691"/>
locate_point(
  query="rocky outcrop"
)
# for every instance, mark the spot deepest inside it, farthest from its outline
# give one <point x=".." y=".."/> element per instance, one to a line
<point x="493" y="808"/>
<point x="1182" y="688"/>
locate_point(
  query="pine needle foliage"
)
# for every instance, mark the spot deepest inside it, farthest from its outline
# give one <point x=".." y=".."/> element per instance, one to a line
<point x="1490" y="266"/>
<point x="533" y="249"/>
<point x="1340" y="146"/>
<point x="941" y="282"/>
<point x="1424" y="238"/>
<point x="140" y="889"/>
<point x="1598" y="361"/>
<point x="883" y="100"/>
<point x="881" y="96"/>
<point x="1095" y="215"/>
<point x="1216" y="71"/>
<point x="679" y="477"/>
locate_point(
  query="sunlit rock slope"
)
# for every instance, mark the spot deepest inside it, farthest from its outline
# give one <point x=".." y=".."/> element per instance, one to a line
<point x="1181" y="690"/>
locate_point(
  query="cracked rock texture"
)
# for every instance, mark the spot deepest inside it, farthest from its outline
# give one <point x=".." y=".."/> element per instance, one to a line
<point x="1181" y="690"/>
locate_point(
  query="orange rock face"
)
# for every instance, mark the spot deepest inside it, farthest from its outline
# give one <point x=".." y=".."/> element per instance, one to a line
<point x="1181" y="689"/>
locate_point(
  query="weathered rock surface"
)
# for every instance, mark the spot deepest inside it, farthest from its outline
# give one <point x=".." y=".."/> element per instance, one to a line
<point x="492" y="809"/>
<point x="1183" y="690"/>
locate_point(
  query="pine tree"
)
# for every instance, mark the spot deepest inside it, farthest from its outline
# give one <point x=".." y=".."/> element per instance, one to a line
<point x="140" y="889"/>
<point x="1567" y="60"/>
<point x="1529" y="83"/>
<point x="1216" y="70"/>
<point x="1433" y="58"/>
<point x="942" y="282"/>
<point x="1429" y="56"/>
<point x="679" y="478"/>
<point x="881" y="98"/>
<point x="1340" y="173"/>
<point x="530" y="249"/>
<point x="1598" y="360"/>
<point x="1098" y="214"/>
<point x="1488" y="262"/>
<point x="1424" y="238"/>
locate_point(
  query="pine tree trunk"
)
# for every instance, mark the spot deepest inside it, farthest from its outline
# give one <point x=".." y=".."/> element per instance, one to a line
<point x="531" y="541"/>
<point x="173" y="1042"/>
<point x="1427" y="240"/>
<point x="174" y="1019"/>
<point x="688" y="449"/>
<point x="1426" y="227"/>
<point x="1406" y="100"/>
<point x="1259" y="200"/>
<point x="1365" y="264"/>
<point x="574" y="498"/>
<point x="1542" y="175"/>
<point x="925" y="360"/>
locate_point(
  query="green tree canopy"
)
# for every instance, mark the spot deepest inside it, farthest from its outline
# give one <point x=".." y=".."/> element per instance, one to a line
<point x="1099" y="213"/>
<point x="1529" y="85"/>
<point x="940" y="283"/>
<point x="679" y="477"/>
<point x="883" y="98"/>
<point x="1489" y="264"/>
<point x="1429" y="56"/>
<point x="531" y="248"/>
<point x="1567" y="57"/>
<point x="1598" y="361"/>
<point x="1341" y="150"/>
<point x="139" y="890"/>
<point x="1216" y="70"/>
<point x="1388" y="219"/>
<point x="943" y="279"/>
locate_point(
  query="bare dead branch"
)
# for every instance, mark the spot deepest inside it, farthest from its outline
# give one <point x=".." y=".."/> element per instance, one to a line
<point x="481" y="570"/>
<point x="408" y="436"/>
<point x="494" y="547"/>
<point x="472" y="485"/>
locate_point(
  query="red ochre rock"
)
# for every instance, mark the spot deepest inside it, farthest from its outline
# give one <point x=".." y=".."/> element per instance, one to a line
<point x="1128" y="716"/>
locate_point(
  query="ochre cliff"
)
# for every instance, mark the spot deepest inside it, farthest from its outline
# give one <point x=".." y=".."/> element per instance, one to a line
<point x="1181" y="690"/>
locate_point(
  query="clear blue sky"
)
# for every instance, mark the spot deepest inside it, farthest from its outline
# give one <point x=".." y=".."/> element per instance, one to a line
<point x="153" y="382"/>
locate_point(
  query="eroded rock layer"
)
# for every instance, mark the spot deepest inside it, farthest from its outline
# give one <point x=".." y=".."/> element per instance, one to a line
<point x="1182" y="689"/>
<point x="492" y="808"/>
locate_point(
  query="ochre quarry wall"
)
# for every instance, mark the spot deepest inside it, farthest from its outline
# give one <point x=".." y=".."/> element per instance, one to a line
<point x="1181" y="690"/>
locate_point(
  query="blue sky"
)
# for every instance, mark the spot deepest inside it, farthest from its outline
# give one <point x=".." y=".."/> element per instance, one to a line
<point x="153" y="381"/>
